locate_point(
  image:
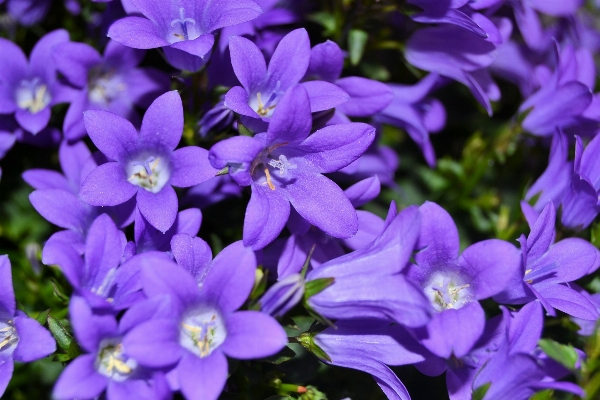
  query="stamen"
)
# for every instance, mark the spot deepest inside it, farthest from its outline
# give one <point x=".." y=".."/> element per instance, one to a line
<point x="268" y="174"/>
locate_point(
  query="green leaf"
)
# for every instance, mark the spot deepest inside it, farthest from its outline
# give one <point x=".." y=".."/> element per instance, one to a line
<point x="223" y="171"/>
<point x="60" y="333"/>
<point x="357" y="41"/>
<point x="42" y="317"/>
<point x="307" y="341"/>
<point x="284" y="355"/>
<point x="479" y="393"/>
<point x="326" y="20"/>
<point x="316" y="286"/>
<point x="564" y="354"/>
<point x="243" y="130"/>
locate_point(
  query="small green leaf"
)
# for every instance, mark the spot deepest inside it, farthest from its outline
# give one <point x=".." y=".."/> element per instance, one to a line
<point x="307" y="341"/>
<point x="284" y="355"/>
<point x="316" y="286"/>
<point x="326" y="20"/>
<point x="564" y="354"/>
<point x="60" y="333"/>
<point x="243" y="130"/>
<point x="357" y="40"/>
<point x="479" y="393"/>
<point x="224" y="171"/>
<point x="42" y="317"/>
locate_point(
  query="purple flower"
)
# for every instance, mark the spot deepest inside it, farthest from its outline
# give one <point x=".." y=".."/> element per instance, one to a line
<point x="145" y="165"/>
<point x="264" y="87"/>
<point x="182" y="28"/>
<point x="547" y="268"/>
<point x="454" y="284"/>
<point x="413" y="110"/>
<point x="285" y="165"/>
<point x="367" y="347"/>
<point x="367" y="283"/>
<point x="22" y="338"/>
<point x="106" y="364"/>
<point x="457" y="53"/>
<point x="56" y="196"/>
<point x="110" y="82"/>
<point x="30" y="89"/>
<point x="203" y="326"/>
<point x="366" y="96"/>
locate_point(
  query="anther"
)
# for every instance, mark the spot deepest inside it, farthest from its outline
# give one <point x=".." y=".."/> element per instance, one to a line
<point x="268" y="174"/>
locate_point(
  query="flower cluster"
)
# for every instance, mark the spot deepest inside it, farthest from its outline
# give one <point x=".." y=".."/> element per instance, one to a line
<point x="168" y="118"/>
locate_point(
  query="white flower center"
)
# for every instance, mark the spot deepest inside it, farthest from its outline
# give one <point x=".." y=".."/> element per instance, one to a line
<point x="264" y="105"/>
<point x="202" y="330"/>
<point x="8" y="336"/>
<point x="32" y="95"/>
<point x="104" y="86"/>
<point x="149" y="172"/>
<point x="112" y="362"/>
<point x="448" y="290"/>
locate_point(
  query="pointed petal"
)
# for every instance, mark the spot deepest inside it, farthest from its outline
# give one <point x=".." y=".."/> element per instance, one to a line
<point x="230" y="287"/>
<point x="248" y="62"/>
<point x="252" y="334"/>
<point x="112" y="134"/>
<point x="227" y="13"/>
<point x="80" y="380"/>
<point x="33" y="123"/>
<point x="203" y="378"/>
<point x="291" y="122"/>
<point x="159" y="209"/>
<point x="266" y="215"/>
<point x="137" y="32"/>
<point x="315" y="196"/>
<point x="190" y="166"/>
<point x="364" y="191"/>
<point x="290" y="60"/>
<point x="162" y="125"/>
<point x="569" y="301"/>
<point x="334" y="147"/>
<point x="143" y="341"/>
<point x="325" y="95"/>
<point x="367" y="97"/>
<point x="491" y="264"/>
<point x="7" y="299"/>
<point x="61" y="208"/>
<point x="34" y="340"/>
<point x="236" y="99"/>
<point x="198" y="47"/>
<point x="107" y="185"/>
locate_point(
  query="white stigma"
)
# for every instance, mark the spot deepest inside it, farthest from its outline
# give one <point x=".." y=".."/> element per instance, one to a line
<point x="32" y="95"/>
<point x="201" y="331"/>
<point x="182" y="30"/>
<point x="283" y="165"/>
<point x="448" y="290"/>
<point x="112" y="362"/>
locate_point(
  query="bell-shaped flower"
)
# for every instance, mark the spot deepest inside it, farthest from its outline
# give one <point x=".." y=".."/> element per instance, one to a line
<point x="366" y="284"/>
<point x="370" y="347"/>
<point x="111" y="82"/>
<point x="145" y="165"/>
<point x="30" y="89"/>
<point x="285" y="165"/>
<point x="106" y="366"/>
<point x="460" y="54"/>
<point x="183" y="29"/>
<point x="454" y="284"/>
<point x="22" y="338"/>
<point x="204" y="325"/>
<point x="263" y="87"/>
<point x="548" y="267"/>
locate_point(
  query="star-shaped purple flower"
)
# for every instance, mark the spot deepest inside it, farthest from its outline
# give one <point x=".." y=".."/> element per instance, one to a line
<point x="145" y="165"/>
<point x="183" y="28"/>
<point x="285" y="165"/>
